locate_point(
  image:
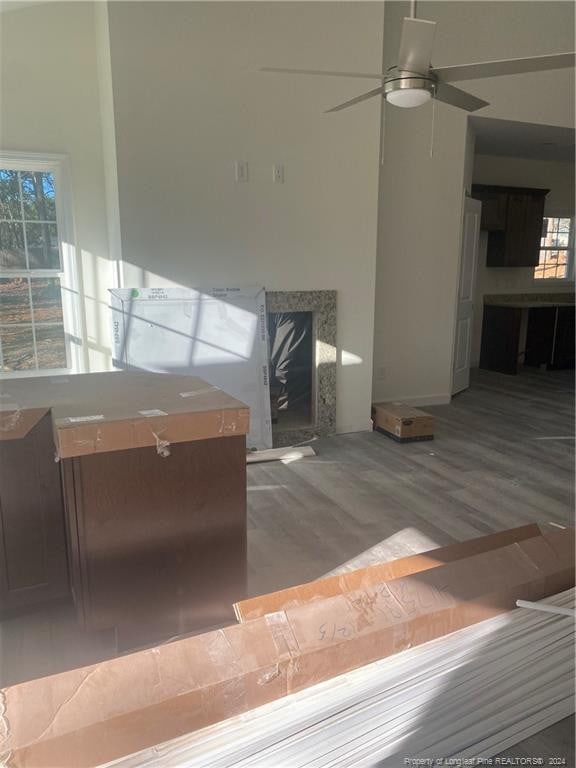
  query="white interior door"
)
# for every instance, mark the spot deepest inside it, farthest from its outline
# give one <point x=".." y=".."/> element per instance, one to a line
<point x="467" y="284"/>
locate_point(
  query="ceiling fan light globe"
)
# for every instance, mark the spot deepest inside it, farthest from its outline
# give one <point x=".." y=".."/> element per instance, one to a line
<point x="408" y="97"/>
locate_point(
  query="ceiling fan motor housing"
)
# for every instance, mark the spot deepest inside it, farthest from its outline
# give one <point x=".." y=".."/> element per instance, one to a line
<point x="402" y="80"/>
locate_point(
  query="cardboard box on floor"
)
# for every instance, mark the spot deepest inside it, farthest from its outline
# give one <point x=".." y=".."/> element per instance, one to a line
<point x="361" y="578"/>
<point x="402" y="422"/>
<point x="90" y="716"/>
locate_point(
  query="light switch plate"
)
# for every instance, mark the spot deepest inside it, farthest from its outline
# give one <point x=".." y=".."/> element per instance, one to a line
<point x="240" y="171"/>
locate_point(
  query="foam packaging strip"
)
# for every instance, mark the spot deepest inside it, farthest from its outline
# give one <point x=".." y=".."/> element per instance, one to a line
<point x="472" y="693"/>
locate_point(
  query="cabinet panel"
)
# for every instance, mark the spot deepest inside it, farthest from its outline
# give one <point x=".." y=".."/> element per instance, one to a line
<point x="550" y="337"/>
<point x="514" y="226"/>
<point x="159" y="544"/>
<point x="32" y="532"/>
<point x="494" y="205"/>
<point x="533" y="229"/>
<point x="540" y="335"/>
<point x="564" y="340"/>
<point x="514" y="253"/>
<point x="500" y="339"/>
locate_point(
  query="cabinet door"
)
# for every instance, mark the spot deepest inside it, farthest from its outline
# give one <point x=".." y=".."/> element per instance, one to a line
<point x="494" y="206"/>
<point x="524" y="229"/>
<point x="533" y="230"/>
<point x="563" y="352"/>
<point x="500" y="339"/>
<point x="540" y="335"/>
<point x="158" y="544"/>
<point x="32" y="534"/>
<point x="514" y="255"/>
<point x="512" y="216"/>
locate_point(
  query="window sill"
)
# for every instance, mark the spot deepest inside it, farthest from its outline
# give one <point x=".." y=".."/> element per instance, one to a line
<point x="555" y="282"/>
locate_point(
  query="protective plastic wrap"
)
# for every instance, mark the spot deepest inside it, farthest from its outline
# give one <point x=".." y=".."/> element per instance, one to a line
<point x="93" y="715"/>
<point x="291" y="359"/>
<point x="331" y="586"/>
<point x="101" y="412"/>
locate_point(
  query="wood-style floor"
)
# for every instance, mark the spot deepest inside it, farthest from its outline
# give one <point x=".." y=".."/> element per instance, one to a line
<point x="503" y="455"/>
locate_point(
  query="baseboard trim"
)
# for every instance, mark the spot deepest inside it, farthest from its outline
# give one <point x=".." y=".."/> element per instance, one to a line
<point x="346" y="430"/>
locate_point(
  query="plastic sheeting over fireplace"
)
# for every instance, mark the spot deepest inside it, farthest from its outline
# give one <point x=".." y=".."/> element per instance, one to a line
<point x="302" y="364"/>
<point x="292" y="376"/>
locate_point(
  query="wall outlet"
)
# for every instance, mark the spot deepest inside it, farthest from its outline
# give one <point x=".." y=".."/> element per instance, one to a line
<point x="240" y="171"/>
<point x="278" y="173"/>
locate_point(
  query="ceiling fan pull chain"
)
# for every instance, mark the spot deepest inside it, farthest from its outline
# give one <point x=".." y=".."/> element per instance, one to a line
<point x="382" y="133"/>
<point x="432" y="125"/>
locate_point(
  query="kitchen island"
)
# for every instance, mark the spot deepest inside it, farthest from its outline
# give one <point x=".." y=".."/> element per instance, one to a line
<point x="146" y="508"/>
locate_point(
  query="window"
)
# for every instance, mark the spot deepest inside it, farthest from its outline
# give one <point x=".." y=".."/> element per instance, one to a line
<point x="556" y="249"/>
<point x="38" y="312"/>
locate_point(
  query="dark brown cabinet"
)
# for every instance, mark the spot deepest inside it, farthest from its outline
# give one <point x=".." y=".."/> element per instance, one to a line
<point x="500" y="339"/>
<point x="564" y="339"/>
<point x="550" y="337"/>
<point x="536" y="335"/>
<point x="513" y="218"/>
<point x="158" y="545"/>
<point x="146" y="507"/>
<point x="33" y="567"/>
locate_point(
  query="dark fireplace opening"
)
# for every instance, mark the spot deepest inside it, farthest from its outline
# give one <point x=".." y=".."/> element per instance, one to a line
<point x="291" y="349"/>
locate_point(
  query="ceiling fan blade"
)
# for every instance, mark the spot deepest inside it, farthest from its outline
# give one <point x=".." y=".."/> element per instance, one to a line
<point x="505" y="67"/>
<point x="363" y="97"/>
<point x="329" y="73"/>
<point x="416" y="44"/>
<point x="457" y="98"/>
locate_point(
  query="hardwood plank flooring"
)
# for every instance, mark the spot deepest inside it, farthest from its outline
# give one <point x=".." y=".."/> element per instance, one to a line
<point x="503" y="455"/>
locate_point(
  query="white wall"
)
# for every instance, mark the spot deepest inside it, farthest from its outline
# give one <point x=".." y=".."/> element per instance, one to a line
<point x="421" y="200"/>
<point x="189" y="101"/>
<point x="519" y="172"/>
<point x="50" y="103"/>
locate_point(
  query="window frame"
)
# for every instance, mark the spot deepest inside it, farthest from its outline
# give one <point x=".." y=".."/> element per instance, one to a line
<point x="569" y="277"/>
<point x="69" y="274"/>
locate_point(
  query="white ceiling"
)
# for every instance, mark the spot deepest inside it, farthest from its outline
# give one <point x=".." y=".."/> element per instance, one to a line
<point x="513" y="139"/>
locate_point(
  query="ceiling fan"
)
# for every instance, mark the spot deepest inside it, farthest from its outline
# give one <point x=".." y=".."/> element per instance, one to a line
<point x="414" y="81"/>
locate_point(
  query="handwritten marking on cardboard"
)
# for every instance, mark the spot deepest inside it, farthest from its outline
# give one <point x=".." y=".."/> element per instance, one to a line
<point x="390" y="602"/>
<point x="331" y="631"/>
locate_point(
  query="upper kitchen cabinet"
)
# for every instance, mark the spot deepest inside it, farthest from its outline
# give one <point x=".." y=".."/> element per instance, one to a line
<point x="513" y="218"/>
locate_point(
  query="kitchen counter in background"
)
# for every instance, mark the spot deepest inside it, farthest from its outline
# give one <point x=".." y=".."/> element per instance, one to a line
<point x="535" y="329"/>
<point x="528" y="300"/>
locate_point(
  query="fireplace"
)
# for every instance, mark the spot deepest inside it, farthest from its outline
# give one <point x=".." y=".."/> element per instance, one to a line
<point x="292" y="379"/>
<point x="302" y="364"/>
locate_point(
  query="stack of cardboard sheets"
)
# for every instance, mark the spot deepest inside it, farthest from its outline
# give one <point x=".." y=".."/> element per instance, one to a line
<point x="457" y="700"/>
<point x="90" y="716"/>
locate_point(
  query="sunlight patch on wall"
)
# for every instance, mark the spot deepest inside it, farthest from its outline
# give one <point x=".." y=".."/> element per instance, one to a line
<point x="349" y="358"/>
